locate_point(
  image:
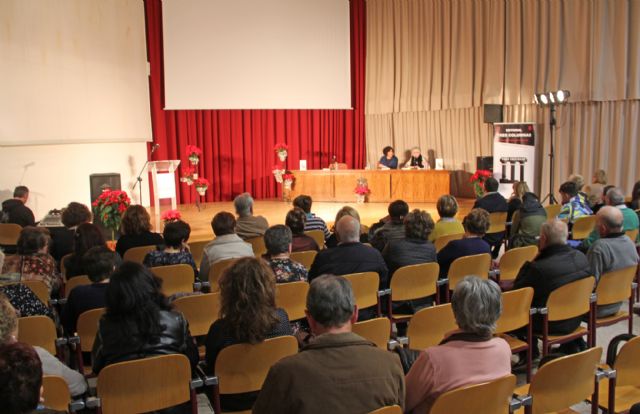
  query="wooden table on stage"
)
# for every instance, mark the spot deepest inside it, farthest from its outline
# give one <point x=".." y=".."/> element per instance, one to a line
<point x="417" y="186"/>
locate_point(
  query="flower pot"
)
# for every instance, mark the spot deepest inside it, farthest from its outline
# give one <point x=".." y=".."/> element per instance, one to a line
<point x="360" y="198"/>
<point x="288" y="184"/>
<point x="201" y="190"/>
<point x="282" y="155"/>
<point x="193" y="159"/>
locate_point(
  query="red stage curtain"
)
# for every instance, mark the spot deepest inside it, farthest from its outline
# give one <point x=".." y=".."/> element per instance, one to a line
<point x="238" y="144"/>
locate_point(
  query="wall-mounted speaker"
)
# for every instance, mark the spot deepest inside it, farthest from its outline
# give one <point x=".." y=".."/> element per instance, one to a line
<point x="492" y="113"/>
<point x="484" y="163"/>
<point x="98" y="182"/>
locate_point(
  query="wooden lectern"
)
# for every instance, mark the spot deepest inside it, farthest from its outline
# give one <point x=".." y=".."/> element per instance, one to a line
<point x="164" y="184"/>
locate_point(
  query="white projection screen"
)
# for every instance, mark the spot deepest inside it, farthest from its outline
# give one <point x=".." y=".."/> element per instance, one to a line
<point x="256" y="54"/>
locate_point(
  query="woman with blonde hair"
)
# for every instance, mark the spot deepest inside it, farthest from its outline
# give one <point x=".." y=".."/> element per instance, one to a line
<point x="332" y="241"/>
<point x="515" y="201"/>
<point x="595" y="190"/>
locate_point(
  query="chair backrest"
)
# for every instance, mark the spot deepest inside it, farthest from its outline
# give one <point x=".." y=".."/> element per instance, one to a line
<point x="564" y="381"/>
<point x="305" y="258"/>
<point x="197" y="251"/>
<point x="487" y="398"/>
<point x="571" y="300"/>
<point x="516" y="306"/>
<point x="55" y="392"/>
<point x="442" y="241"/>
<point x="414" y="281"/>
<point x="627" y="364"/>
<point x="365" y="288"/>
<point x="582" y="227"/>
<point x="87" y="327"/>
<point x="243" y="367"/>
<point x="216" y="270"/>
<point x="63" y="260"/>
<point x="632" y="234"/>
<point x="497" y="222"/>
<point x="9" y="234"/>
<point x="553" y="210"/>
<point x="477" y="265"/>
<point x="257" y="243"/>
<point x="38" y="331"/>
<point x="429" y="326"/>
<point x="175" y="278"/>
<point x="39" y="288"/>
<point x="292" y="297"/>
<point x="513" y="259"/>
<point x="137" y="254"/>
<point x="377" y="330"/>
<point x="74" y="282"/>
<point x="391" y="409"/>
<point x="201" y="311"/>
<point x="615" y="286"/>
<point x="144" y="385"/>
<point x="317" y="235"/>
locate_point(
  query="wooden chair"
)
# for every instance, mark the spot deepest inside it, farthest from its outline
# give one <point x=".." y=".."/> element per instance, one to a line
<point x="175" y="278"/>
<point x="563" y="382"/>
<point x="613" y="287"/>
<point x="497" y="222"/>
<point x="365" y="289"/>
<point x="442" y="241"/>
<point x="216" y="271"/>
<point x="317" y="235"/>
<point x="621" y="392"/>
<point x="257" y="243"/>
<point x="511" y="262"/>
<point x="55" y="393"/>
<point x="632" y="234"/>
<point x="292" y="297"/>
<point x="553" y="210"/>
<point x="145" y="385"/>
<point x="243" y="367"/>
<point x="516" y="314"/>
<point x="487" y="398"/>
<point x="391" y="409"/>
<point x="200" y="311"/>
<point x="137" y="254"/>
<point x="376" y="330"/>
<point x="429" y="326"/>
<point x="38" y="331"/>
<point x="413" y="282"/>
<point x="74" y="282"/>
<point x="569" y="301"/>
<point x="63" y="270"/>
<point x="86" y="330"/>
<point x="9" y="234"/>
<point x="39" y="288"/>
<point x="197" y="251"/>
<point x="582" y="227"/>
<point x="476" y="265"/>
<point x="304" y="258"/>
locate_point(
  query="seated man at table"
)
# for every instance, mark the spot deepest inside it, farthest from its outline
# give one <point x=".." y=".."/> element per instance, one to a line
<point x="248" y="226"/>
<point x="390" y="227"/>
<point x="493" y="202"/>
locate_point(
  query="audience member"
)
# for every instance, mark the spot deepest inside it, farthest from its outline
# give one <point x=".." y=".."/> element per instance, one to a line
<point x="50" y="364"/>
<point x="296" y="222"/>
<point x="447" y="206"/>
<point x="87" y="235"/>
<point x="15" y="209"/>
<point x="136" y="230"/>
<point x="470" y="356"/>
<point x="579" y="181"/>
<point x="602" y="201"/>
<point x="248" y="226"/>
<point x="313" y="222"/>
<point x="278" y="241"/>
<point x="248" y="314"/>
<point x="595" y="189"/>
<point x="32" y="261"/>
<point x="226" y="245"/>
<point x="493" y="202"/>
<point x="139" y="321"/>
<point x="338" y="372"/>
<point x="520" y="188"/>
<point x="333" y="241"/>
<point x="573" y="205"/>
<point x="527" y="220"/>
<point x="175" y="249"/>
<point x="415" y="248"/>
<point x="635" y="196"/>
<point x="390" y="227"/>
<point x="615" y="198"/>
<point x="100" y="262"/>
<point x="613" y="250"/>
<point x="62" y="237"/>
<point x="22" y="298"/>
<point x="476" y="224"/>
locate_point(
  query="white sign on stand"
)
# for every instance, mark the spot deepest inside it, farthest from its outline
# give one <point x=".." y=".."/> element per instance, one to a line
<point x="514" y="155"/>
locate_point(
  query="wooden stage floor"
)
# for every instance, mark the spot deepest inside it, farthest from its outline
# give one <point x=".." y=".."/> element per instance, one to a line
<point x="275" y="212"/>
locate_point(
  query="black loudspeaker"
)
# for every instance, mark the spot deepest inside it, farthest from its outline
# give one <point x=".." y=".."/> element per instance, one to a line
<point x="484" y="163"/>
<point x="492" y="113"/>
<point x="99" y="182"/>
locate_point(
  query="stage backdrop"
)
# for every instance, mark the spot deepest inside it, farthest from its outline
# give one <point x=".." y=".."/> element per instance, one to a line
<point x="238" y="144"/>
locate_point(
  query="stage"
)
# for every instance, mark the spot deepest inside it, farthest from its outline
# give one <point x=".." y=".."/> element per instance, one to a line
<point x="275" y="212"/>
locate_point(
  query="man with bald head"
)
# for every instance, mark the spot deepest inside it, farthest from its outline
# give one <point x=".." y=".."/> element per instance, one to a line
<point x="614" y="198"/>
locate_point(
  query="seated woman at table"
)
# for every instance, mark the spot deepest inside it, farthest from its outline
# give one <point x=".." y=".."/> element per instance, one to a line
<point x="417" y="161"/>
<point x="388" y="161"/>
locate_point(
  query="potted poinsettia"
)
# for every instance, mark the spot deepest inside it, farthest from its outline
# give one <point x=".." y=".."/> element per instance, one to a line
<point x="110" y="206"/>
<point x="201" y="185"/>
<point x="170" y="216"/>
<point x="282" y="150"/>
<point x="362" y="190"/>
<point x="193" y="153"/>
<point x="478" y="179"/>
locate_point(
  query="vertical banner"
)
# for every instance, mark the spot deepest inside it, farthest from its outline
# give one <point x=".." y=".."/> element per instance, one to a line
<point x="514" y="155"/>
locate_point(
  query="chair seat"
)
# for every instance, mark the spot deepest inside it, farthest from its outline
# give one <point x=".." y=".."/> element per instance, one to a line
<point x="626" y="396"/>
<point x="610" y="320"/>
<point x="515" y="344"/>
<point x="581" y="331"/>
<point x="401" y="316"/>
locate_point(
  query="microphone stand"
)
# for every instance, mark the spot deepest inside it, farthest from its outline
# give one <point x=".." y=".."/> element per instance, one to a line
<point x="139" y="178"/>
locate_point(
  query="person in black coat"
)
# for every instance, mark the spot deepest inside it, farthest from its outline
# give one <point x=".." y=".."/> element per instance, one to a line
<point x="493" y="202"/>
<point x="62" y="238"/>
<point x="136" y="230"/>
<point x="15" y="209"/>
<point x="415" y="248"/>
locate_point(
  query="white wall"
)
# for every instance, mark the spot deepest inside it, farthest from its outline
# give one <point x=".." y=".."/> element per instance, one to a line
<point x="58" y="174"/>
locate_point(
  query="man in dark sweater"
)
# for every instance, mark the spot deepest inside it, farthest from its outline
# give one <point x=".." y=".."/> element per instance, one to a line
<point x="15" y="209"/>
<point x="493" y="202"/>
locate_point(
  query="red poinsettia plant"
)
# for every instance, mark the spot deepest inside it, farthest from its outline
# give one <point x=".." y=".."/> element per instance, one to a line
<point x="193" y="153"/>
<point x="288" y="176"/>
<point x="110" y="205"/>
<point x="170" y="216"/>
<point x="201" y="185"/>
<point x="478" y="179"/>
<point x="362" y="190"/>
<point x="280" y="146"/>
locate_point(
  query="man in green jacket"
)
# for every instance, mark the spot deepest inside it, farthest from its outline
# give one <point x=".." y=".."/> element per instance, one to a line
<point x="615" y="198"/>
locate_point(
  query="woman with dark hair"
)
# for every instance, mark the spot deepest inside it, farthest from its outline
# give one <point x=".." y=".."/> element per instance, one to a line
<point x="475" y="224"/>
<point x="296" y="219"/>
<point x="248" y="314"/>
<point x="278" y="239"/>
<point x="33" y="262"/>
<point x="447" y="207"/>
<point x="139" y="321"/>
<point x="388" y="161"/>
<point x="87" y="235"/>
<point x="527" y="221"/>
<point x="136" y="230"/>
<point x="62" y="237"/>
<point x="175" y="249"/>
<point x="415" y="248"/>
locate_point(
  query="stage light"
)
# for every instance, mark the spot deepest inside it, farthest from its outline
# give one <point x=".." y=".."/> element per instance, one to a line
<point x="551" y="98"/>
<point x="544" y="99"/>
<point x="562" y="96"/>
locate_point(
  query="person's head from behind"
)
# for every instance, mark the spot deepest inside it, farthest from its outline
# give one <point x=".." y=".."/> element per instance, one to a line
<point x="87" y="235"/>
<point x="578" y="180"/>
<point x="295" y="220"/>
<point x="100" y="262"/>
<point x="397" y="210"/>
<point x="520" y="188"/>
<point x="553" y="232"/>
<point x="304" y="202"/>
<point x="176" y="234"/>
<point x="530" y="197"/>
<point x="418" y="224"/>
<point x="614" y="197"/>
<point x="331" y="305"/>
<point x="243" y="205"/>
<point x="605" y="191"/>
<point x="600" y="177"/>
<point x="568" y="190"/>
<point x="75" y="214"/>
<point x="277" y="240"/>
<point x="348" y="230"/>
<point x="33" y="240"/>
<point x="476" y="223"/>
<point x="20" y="378"/>
<point x="388" y="152"/>
<point x="635" y="193"/>
<point x="447" y="206"/>
<point x="248" y="299"/>
<point x="8" y="321"/>
<point x="491" y="185"/>
<point x="347" y="211"/>
<point x="135" y="220"/>
<point x="223" y="223"/>
<point x="21" y="193"/>
<point x="609" y="220"/>
<point x="477" y="305"/>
